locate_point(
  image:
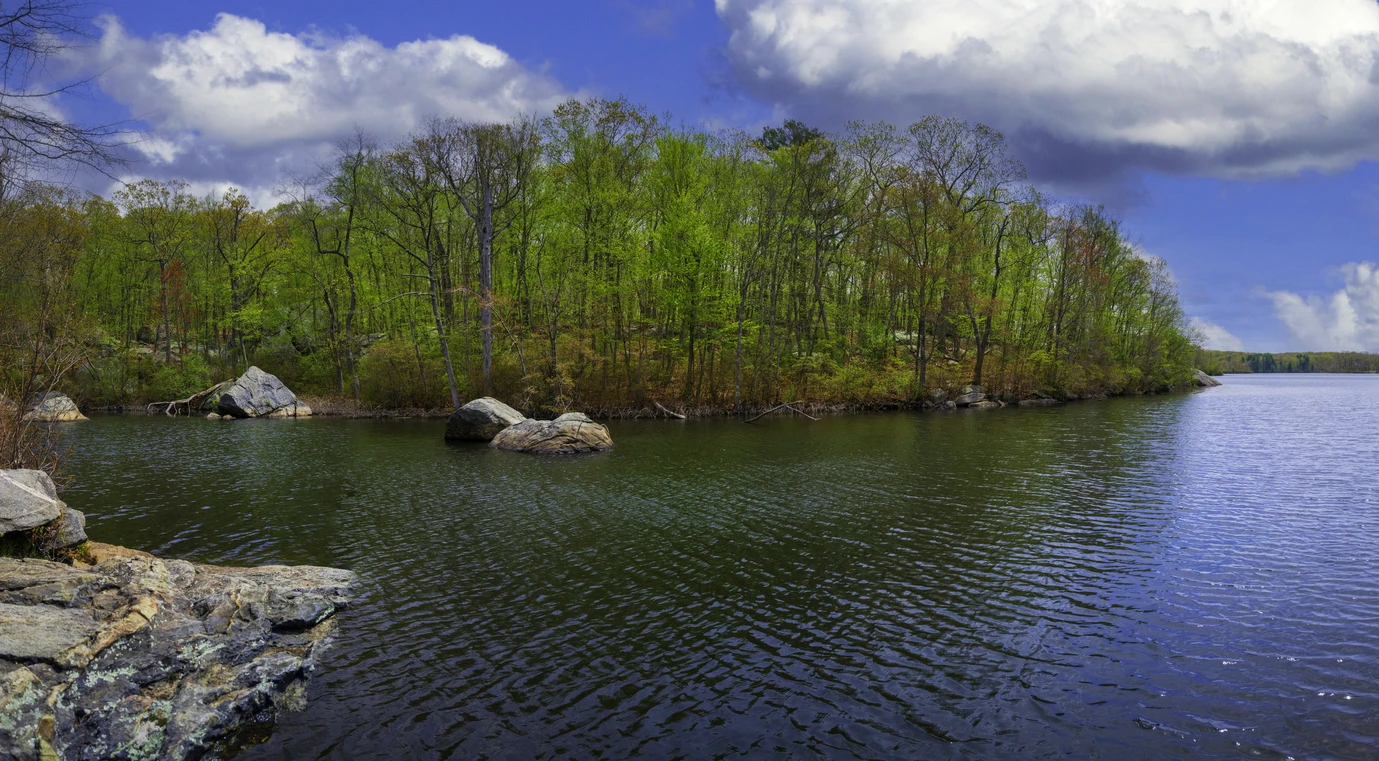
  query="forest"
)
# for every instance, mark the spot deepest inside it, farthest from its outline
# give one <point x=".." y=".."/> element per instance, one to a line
<point x="1220" y="362"/>
<point x="600" y="258"/>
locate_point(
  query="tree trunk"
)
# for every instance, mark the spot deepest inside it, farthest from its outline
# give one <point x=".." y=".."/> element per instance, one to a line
<point x="486" y="284"/>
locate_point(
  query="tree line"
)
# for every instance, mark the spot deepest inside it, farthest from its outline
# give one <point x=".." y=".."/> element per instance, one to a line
<point x="1220" y="362"/>
<point x="601" y="258"/>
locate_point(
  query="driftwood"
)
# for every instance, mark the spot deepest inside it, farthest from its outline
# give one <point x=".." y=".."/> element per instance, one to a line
<point x="787" y="406"/>
<point x="171" y="408"/>
<point x="667" y="412"/>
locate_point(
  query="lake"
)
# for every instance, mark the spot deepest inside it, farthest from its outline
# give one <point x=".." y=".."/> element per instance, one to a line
<point x="1179" y="576"/>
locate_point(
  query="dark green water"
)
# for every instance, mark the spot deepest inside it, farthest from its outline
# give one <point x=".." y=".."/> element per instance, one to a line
<point x="1175" y="577"/>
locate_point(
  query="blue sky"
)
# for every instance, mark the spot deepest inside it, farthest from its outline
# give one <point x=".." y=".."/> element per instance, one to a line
<point x="1235" y="138"/>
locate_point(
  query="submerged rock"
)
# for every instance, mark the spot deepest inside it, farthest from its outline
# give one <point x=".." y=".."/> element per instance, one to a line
<point x="28" y="499"/>
<point x="1203" y="380"/>
<point x="138" y="657"/>
<point x="570" y="433"/>
<point x="1039" y="402"/>
<point x="481" y="420"/>
<point x="257" y="394"/>
<point x="53" y="407"/>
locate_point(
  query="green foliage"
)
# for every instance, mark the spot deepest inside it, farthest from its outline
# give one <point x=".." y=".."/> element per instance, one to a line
<point x="1219" y="362"/>
<point x="392" y="376"/>
<point x="629" y="262"/>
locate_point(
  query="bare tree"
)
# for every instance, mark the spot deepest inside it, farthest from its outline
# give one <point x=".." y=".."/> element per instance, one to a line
<point x="31" y="33"/>
<point x="485" y="167"/>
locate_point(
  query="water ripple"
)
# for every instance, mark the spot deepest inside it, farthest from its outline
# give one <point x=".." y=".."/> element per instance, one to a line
<point x="1188" y="576"/>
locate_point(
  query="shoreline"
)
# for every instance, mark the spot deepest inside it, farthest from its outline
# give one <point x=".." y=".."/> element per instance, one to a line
<point x="156" y="658"/>
<point x="347" y="409"/>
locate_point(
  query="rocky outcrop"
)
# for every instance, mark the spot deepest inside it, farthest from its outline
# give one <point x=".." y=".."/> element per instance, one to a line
<point x="53" y="407"/>
<point x="481" y="420"/>
<point x="137" y="657"/>
<point x="1203" y="380"/>
<point x="257" y="394"/>
<point x="568" y="434"/>
<point x="29" y="504"/>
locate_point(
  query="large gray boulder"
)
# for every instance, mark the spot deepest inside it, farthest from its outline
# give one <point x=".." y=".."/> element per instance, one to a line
<point x="28" y="499"/>
<point x="481" y="420"/>
<point x="53" y="407"/>
<point x="570" y="433"/>
<point x="258" y="394"/>
<point x="1204" y="380"/>
<point x="970" y="398"/>
<point x="139" y="657"/>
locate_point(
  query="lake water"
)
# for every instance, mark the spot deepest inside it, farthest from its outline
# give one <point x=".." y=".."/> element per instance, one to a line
<point x="1188" y="576"/>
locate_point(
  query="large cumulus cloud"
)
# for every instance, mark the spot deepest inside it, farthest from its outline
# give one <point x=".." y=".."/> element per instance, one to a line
<point x="239" y="103"/>
<point x="1085" y="87"/>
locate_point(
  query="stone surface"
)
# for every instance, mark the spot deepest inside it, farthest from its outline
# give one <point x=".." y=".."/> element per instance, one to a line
<point x="53" y="407"/>
<point x="28" y="499"/>
<point x="70" y="532"/>
<point x="970" y="398"/>
<point x="139" y="657"/>
<point x="258" y="394"/>
<point x="568" y="434"/>
<point x="984" y="405"/>
<point x="1204" y="380"/>
<point x="481" y="420"/>
<point x="30" y="633"/>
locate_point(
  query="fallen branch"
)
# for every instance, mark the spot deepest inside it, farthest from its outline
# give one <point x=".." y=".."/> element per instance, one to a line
<point x="170" y="408"/>
<point x="788" y="405"/>
<point x="667" y="412"/>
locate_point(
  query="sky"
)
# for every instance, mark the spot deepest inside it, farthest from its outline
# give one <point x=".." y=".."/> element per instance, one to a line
<point x="1236" y="139"/>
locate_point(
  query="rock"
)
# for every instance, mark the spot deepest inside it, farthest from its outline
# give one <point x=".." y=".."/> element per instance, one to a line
<point x="1039" y="402"/>
<point x="567" y="434"/>
<point x="983" y="405"/>
<point x="970" y="398"/>
<point x="258" y="394"/>
<point x="938" y="396"/>
<point x="144" y="658"/>
<point x="32" y="633"/>
<point x="53" y="407"/>
<point x="211" y="400"/>
<point x="1203" y="380"/>
<point x="28" y="499"/>
<point x="481" y="420"/>
<point x="70" y="532"/>
<point x="950" y="405"/>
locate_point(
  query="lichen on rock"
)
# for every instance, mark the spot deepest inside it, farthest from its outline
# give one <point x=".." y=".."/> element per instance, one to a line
<point x="137" y="657"/>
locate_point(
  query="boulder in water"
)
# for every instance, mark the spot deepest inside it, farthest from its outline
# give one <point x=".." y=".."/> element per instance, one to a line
<point x="258" y="394"/>
<point x="53" y="407"/>
<point x="570" y="433"/>
<point x="970" y="398"/>
<point x="28" y="499"/>
<point x="481" y="420"/>
<point x="1203" y="380"/>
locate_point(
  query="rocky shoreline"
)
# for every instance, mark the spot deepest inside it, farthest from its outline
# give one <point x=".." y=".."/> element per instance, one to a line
<point x="135" y="657"/>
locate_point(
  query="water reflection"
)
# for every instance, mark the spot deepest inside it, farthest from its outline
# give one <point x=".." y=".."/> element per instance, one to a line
<point x="1142" y="578"/>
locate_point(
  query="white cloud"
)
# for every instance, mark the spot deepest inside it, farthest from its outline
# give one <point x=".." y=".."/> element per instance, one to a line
<point x="1213" y="336"/>
<point x="1347" y="320"/>
<point x="1224" y="86"/>
<point x="236" y="101"/>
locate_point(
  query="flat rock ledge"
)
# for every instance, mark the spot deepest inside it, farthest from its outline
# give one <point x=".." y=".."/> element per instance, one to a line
<point x="142" y="658"/>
